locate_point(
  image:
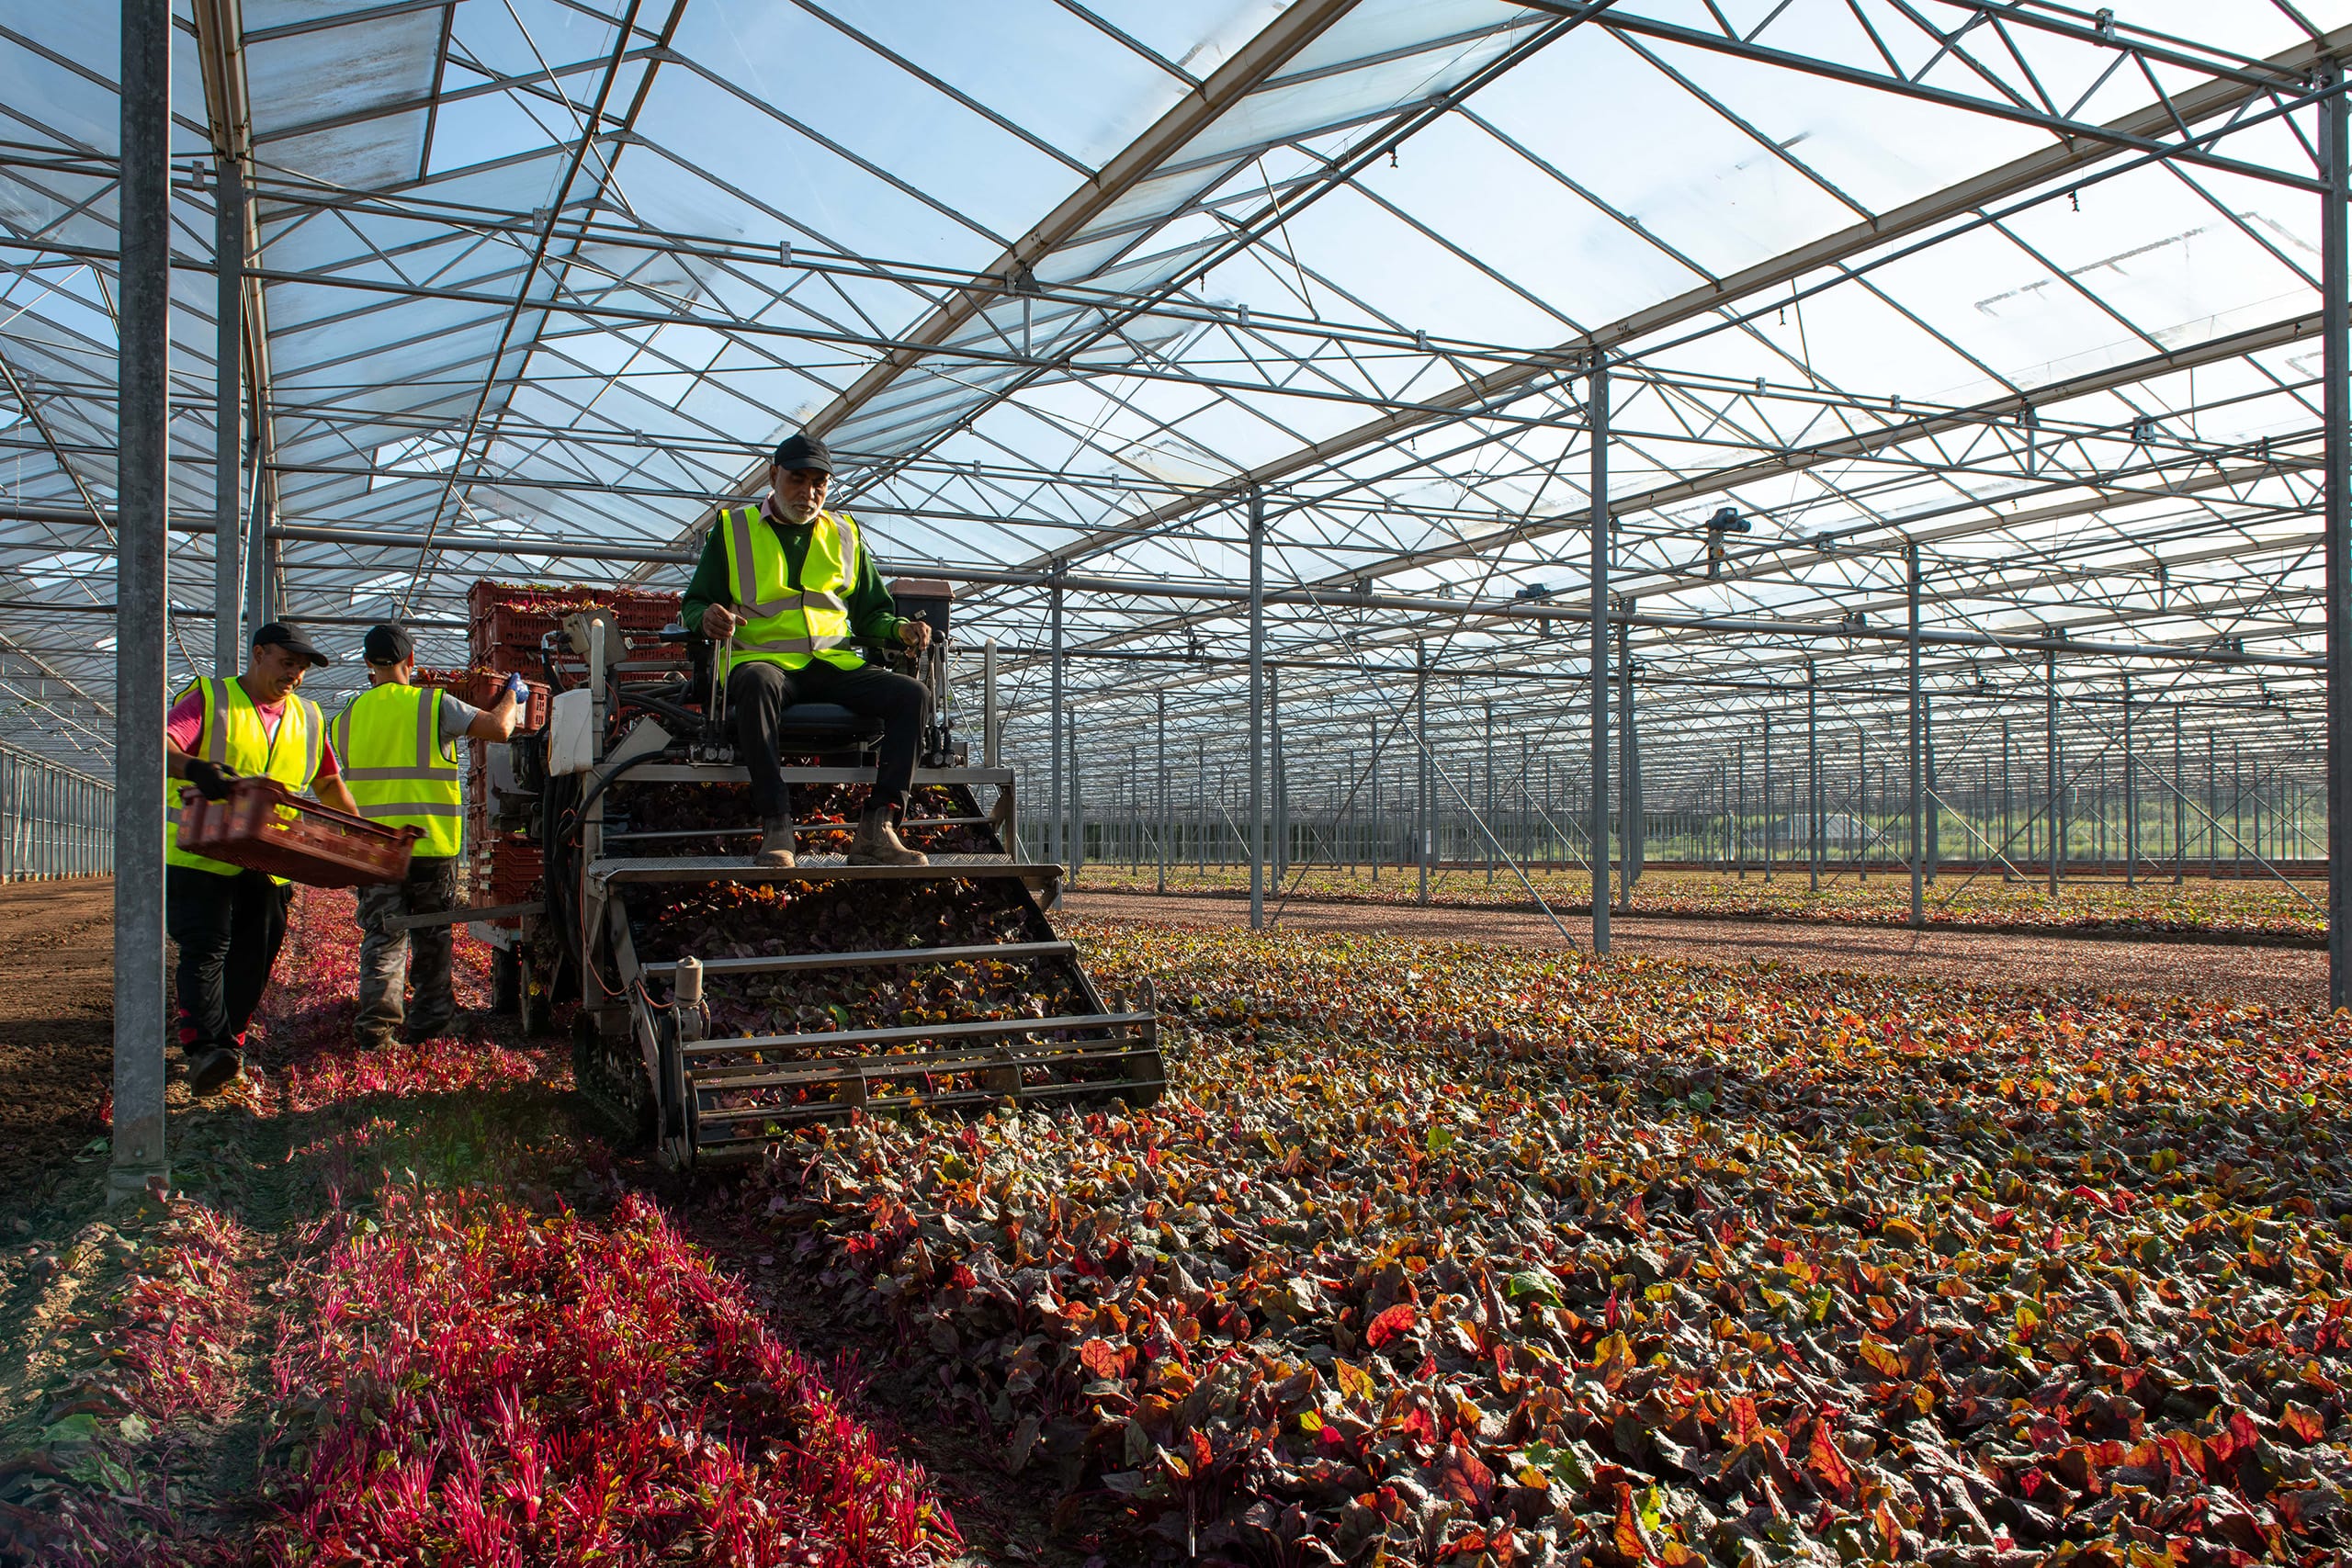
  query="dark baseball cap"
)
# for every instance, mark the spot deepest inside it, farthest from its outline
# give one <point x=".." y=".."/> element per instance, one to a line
<point x="387" y="644"/>
<point x="799" y="450"/>
<point x="280" y="634"/>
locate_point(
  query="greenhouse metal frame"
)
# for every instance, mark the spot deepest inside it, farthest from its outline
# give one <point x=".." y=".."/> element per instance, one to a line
<point x="1949" y="386"/>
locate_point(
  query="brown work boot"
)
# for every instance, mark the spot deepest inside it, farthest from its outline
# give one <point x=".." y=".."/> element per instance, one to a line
<point x="877" y="843"/>
<point x="776" y="844"/>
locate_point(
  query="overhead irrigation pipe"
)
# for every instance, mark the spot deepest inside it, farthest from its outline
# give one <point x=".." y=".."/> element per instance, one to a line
<point x="1140" y="588"/>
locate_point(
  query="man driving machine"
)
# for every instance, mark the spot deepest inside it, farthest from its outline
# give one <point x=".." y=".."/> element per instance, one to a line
<point x="780" y="591"/>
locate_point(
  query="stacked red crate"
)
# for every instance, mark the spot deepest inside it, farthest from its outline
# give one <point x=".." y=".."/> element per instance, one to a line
<point x="481" y="686"/>
<point x="508" y="622"/>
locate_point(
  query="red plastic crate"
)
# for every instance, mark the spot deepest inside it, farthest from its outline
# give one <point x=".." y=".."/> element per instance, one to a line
<point x="515" y="618"/>
<point x="481" y="688"/>
<point x="264" y="828"/>
<point x="507" y="870"/>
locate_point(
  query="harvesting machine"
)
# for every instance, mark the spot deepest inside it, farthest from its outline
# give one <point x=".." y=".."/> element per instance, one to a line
<point x="722" y="1004"/>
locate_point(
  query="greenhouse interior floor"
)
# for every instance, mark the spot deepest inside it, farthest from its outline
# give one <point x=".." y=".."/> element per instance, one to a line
<point x="2146" y="966"/>
<point x="366" y="1245"/>
<point x="56" y="1026"/>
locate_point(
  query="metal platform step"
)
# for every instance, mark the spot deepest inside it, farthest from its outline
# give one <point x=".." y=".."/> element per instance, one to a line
<point x="813" y="868"/>
<point x="650" y="837"/>
<point x="867" y="1074"/>
<point x="801" y="1075"/>
<point x="976" y="1029"/>
<point x="717" y="968"/>
<point x="731" y="773"/>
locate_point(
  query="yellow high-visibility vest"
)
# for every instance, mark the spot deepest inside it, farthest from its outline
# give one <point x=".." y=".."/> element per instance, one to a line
<point x="389" y="741"/>
<point x="789" y="623"/>
<point x="235" y="738"/>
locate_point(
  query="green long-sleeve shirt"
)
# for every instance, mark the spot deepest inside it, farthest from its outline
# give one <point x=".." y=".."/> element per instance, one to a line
<point x="873" y="613"/>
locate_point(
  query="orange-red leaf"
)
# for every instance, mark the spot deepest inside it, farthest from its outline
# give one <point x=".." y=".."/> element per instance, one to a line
<point x="1827" y="1466"/>
<point x="1399" y="1319"/>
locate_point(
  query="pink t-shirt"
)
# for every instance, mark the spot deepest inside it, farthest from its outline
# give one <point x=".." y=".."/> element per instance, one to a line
<point x="185" y="725"/>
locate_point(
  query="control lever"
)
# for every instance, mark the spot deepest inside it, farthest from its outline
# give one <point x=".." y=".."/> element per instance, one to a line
<point x="713" y="744"/>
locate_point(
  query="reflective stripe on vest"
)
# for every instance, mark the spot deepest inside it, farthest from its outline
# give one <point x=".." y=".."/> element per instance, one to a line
<point x="389" y="741"/>
<point x="787" y="622"/>
<point x="234" y="736"/>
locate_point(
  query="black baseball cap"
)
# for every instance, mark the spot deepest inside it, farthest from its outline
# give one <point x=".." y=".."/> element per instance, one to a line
<point x="387" y="644"/>
<point x="280" y="634"/>
<point x="801" y="450"/>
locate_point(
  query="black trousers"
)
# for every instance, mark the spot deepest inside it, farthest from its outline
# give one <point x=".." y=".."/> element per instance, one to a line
<point x="228" y="929"/>
<point x="758" y="693"/>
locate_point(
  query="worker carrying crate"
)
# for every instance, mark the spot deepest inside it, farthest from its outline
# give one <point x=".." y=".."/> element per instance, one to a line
<point x="228" y="919"/>
<point x="399" y="745"/>
<point x="782" y="589"/>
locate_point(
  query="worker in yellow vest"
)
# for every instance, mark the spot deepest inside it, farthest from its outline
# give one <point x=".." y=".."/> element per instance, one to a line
<point x="399" y="745"/>
<point x="790" y="583"/>
<point x="229" y="921"/>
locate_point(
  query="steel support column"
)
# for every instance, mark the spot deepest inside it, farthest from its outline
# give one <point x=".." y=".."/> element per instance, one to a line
<point x="1813" y="773"/>
<point x="1626" y="826"/>
<point x="261" y="553"/>
<point x="1863" y="804"/>
<point x="2008" y="822"/>
<point x="141" y="563"/>
<point x="2179" y="807"/>
<point x="1057" y="851"/>
<point x="1161" y="811"/>
<point x="1425" y="801"/>
<point x="1257" y="709"/>
<point x="2057" y="805"/>
<point x="1934" y="794"/>
<point x="2336" y="366"/>
<point x="1740" y="811"/>
<point x="991" y="738"/>
<point x="2130" y="796"/>
<point x="228" y="410"/>
<point x="1488" y="708"/>
<point x="1597" y="434"/>
<point x="1918" y="775"/>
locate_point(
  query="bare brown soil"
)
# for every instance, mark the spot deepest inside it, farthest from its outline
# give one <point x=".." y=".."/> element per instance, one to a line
<point x="56" y="1026"/>
<point x="2274" y="976"/>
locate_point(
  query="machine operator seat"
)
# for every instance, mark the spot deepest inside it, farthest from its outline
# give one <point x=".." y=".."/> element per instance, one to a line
<point x="815" y="727"/>
<point x="807" y="729"/>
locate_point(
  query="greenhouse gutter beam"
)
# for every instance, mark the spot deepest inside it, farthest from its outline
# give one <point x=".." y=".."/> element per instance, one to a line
<point x="191" y="613"/>
<point x="1472" y="397"/>
<point x="1777" y="562"/>
<point x="1423" y="604"/>
<point x="1144" y="589"/>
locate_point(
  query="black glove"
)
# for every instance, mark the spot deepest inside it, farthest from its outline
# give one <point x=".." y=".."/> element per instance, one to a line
<point x="211" y="779"/>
